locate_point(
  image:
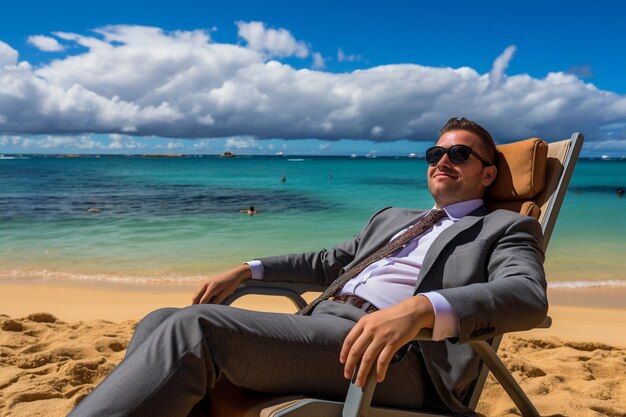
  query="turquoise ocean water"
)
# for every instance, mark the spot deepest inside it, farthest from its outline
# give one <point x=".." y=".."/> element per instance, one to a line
<point x="177" y="219"/>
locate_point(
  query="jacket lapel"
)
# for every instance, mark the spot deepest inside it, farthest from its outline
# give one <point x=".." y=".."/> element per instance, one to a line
<point x="400" y="223"/>
<point x="445" y="238"/>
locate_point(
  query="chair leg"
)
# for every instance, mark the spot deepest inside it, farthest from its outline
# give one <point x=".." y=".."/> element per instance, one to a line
<point x="504" y="377"/>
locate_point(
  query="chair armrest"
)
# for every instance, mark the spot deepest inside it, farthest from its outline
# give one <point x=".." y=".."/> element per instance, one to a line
<point x="282" y="289"/>
<point x="358" y="400"/>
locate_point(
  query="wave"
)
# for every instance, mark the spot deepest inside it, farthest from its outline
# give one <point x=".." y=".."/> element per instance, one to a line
<point x="588" y="284"/>
<point x="45" y="275"/>
<point x="17" y="276"/>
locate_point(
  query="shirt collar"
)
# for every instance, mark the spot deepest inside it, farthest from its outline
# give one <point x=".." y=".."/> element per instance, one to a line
<point x="459" y="210"/>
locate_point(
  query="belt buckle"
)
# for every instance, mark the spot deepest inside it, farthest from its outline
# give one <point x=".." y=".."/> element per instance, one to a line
<point x="356" y="301"/>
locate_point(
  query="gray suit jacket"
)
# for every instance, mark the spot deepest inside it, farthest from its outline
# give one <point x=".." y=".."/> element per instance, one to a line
<point x="488" y="266"/>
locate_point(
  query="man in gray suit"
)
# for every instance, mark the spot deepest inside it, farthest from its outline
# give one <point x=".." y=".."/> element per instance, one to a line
<point x="469" y="275"/>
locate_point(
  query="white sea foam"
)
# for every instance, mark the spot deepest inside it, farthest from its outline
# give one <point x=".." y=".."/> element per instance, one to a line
<point x="45" y="275"/>
<point x="588" y="284"/>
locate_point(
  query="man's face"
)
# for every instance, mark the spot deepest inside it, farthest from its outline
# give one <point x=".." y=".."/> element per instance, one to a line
<point x="452" y="183"/>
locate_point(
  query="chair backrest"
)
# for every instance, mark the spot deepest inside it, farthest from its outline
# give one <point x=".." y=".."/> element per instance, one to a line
<point x="532" y="179"/>
<point x="562" y="157"/>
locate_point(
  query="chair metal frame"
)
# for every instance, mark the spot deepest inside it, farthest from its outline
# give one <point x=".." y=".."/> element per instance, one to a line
<point x="358" y="400"/>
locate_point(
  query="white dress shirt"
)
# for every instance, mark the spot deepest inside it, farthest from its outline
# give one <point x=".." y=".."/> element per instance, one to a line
<point x="393" y="279"/>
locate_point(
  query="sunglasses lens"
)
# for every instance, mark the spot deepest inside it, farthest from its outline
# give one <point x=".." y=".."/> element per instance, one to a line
<point x="434" y="154"/>
<point x="459" y="154"/>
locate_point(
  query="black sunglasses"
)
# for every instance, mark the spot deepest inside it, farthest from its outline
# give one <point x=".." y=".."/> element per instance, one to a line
<point x="457" y="154"/>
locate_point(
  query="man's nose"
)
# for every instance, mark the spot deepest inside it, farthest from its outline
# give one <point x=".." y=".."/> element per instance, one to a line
<point x="444" y="162"/>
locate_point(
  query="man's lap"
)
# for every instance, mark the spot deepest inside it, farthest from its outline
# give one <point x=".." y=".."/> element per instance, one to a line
<point x="285" y="353"/>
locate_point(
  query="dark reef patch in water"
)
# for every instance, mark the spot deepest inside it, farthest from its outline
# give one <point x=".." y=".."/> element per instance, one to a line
<point x="170" y="200"/>
<point x="601" y="189"/>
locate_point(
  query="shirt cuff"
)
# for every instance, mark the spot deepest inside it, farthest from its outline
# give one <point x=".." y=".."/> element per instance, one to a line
<point x="446" y="322"/>
<point x="256" y="267"/>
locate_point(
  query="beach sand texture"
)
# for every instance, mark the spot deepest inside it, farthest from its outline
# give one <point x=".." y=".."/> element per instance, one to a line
<point x="47" y="365"/>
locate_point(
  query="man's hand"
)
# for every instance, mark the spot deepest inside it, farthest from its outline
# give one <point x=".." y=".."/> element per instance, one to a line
<point x="215" y="289"/>
<point x="378" y="336"/>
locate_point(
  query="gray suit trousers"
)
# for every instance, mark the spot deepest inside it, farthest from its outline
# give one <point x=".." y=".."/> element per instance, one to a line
<point x="176" y="355"/>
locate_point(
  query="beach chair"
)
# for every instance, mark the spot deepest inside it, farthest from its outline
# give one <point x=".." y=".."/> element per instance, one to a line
<point x="533" y="177"/>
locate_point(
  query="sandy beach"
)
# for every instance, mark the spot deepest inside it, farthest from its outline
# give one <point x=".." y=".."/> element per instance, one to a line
<point x="58" y="340"/>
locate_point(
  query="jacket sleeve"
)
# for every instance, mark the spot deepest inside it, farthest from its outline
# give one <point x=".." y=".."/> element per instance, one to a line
<point x="512" y="296"/>
<point x="318" y="267"/>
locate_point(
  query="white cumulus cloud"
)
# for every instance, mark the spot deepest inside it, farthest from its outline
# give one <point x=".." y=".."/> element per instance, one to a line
<point x="118" y="141"/>
<point x="275" y="42"/>
<point x="144" y="81"/>
<point x="241" y="143"/>
<point x="318" y="61"/>
<point x="343" y="57"/>
<point x="10" y="140"/>
<point x="500" y="65"/>
<point x="45" y="43"/>
<point x="83" y="142"/>
<point x="8" y="55"/>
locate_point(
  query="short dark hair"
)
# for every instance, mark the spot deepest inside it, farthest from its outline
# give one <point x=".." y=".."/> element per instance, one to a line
<point x="461" y="123"/>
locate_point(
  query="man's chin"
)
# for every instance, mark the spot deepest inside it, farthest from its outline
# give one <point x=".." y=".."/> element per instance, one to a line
<point x="443" y="195"/>
<point x="441" y="185"/>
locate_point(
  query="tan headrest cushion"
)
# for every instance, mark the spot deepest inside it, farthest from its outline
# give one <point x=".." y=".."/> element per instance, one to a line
<point x="527" y="208"/>
<point x="521" y="171"/>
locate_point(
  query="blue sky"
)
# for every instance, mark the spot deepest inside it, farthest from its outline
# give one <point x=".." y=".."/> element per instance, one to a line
<point x="306" y="77"/>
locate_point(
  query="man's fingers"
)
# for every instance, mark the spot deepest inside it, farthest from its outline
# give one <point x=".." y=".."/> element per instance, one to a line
<point x="378" y="355"/>
<point x="217" y="288"/>
<point x="364" y="353"/>
<point x="348" y="342"/>
<point x="356" y="354"/>
<point x="219" y="298"/>
<point x="209" y="296"/>
<point x="368" y="360"/>
<point x="368" y="350"/>
<point x="207" y="293"/>
<point x="198" y="295"/>
<point x="206" y="297"/>
<point x="384" y="359"/>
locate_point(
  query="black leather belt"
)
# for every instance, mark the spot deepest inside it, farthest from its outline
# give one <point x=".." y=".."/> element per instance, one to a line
<point x="358" y="302"/>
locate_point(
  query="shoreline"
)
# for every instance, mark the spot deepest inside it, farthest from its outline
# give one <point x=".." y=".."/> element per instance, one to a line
<point x="589" y="313"/>
<point x="187" y="278"/>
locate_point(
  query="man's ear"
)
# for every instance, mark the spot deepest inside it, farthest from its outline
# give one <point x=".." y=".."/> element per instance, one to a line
<point x="489" y="174"/>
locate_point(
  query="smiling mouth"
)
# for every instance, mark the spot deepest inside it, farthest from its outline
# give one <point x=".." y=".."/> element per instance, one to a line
<point x="444" y="175"/>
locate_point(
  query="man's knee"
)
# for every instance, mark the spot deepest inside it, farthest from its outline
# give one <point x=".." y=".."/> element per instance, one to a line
<point x="148" y="324"/>
<point x="154" y="319"/>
